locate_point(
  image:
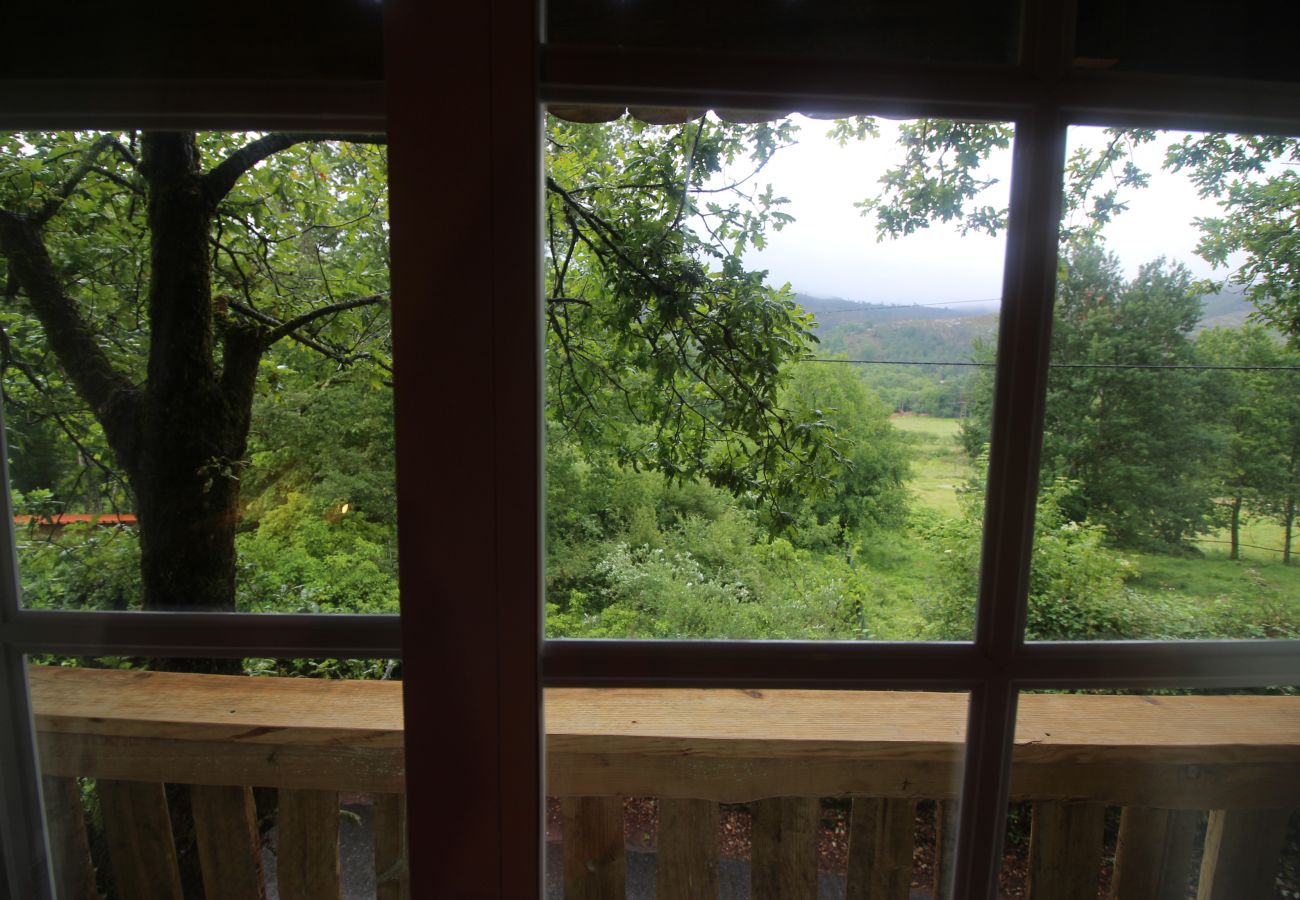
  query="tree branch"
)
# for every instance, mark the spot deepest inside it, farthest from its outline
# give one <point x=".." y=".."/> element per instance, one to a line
<point x="223" y="177"/>
<point x="285" y="328"/>
<point x="88" y="160"/>
<point x="111" y="395"/>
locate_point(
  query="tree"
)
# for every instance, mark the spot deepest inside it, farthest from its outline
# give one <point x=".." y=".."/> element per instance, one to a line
<point x="661" y="344"/>
<point x="160" y="269"/>
<point x="1258" y="188"/>
<point x="1241" y="407"/>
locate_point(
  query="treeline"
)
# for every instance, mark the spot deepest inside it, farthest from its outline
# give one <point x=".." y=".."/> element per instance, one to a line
<point x="1164" y="432"/>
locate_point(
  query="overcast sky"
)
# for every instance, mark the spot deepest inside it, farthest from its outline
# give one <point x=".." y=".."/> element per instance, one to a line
<point x="831" y="249"/>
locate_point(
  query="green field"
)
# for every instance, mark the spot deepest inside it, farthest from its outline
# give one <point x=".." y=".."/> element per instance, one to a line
<point x="940" y="465"/>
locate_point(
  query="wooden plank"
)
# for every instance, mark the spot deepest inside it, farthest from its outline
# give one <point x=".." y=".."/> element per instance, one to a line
<point x="1065" y="851"/>
<point x="1242" y="853"/>
<point x="307" y="855"/>
<point x="945" y="847"/>
<point x="141" y="850"/>
<point x="392" y="880"/>
<point x="65" y="823"/>
<point x="595" y="864"/>
<point x="881" y="840"/>
<point x="230" y="852"/>
<point x="784" y="847"/>
<point x="687" y="859"/>
<point x="1153" y="858"/>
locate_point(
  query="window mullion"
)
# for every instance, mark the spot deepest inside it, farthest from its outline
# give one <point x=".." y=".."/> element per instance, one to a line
<point x="1024" y="333"/>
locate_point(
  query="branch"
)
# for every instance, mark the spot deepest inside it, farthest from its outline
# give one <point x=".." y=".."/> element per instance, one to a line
<point x="219" y="182"/>
<point x="88" y="160"/>
<point x="284" y="328"/>
<point x="111" y="395"/>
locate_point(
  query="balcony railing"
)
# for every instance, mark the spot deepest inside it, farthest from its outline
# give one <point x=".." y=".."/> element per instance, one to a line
<point x="1162" y="759"/>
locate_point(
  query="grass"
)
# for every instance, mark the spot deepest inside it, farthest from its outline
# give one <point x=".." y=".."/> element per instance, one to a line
<point x="939" y="466"/>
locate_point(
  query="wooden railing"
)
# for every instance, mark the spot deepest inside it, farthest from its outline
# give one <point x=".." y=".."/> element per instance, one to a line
<point x="1162" y="759"/>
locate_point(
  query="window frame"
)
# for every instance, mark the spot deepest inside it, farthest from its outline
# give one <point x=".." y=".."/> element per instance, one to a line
<point x="485" y="691"/>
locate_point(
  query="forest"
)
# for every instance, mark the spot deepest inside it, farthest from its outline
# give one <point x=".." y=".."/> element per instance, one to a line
<point x="195" y="331"/>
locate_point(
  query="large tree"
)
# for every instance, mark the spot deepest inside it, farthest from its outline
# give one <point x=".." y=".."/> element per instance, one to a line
<point x="158" y="270"/>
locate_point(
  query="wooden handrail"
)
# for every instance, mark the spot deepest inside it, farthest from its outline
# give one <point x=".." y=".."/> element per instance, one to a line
<point x="1162" y="759"/>
<point x="1172" y="752"/>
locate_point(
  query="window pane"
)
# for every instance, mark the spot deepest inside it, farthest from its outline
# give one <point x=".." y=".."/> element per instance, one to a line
<point x="1171" y="455"/>
<point x="759" y="387"/>
<point x="189" y="774"/>
<point x="944" y="32"/>
<point x="1165" y="794"/>
<point x="739" y="793"/>
<point x="197" y="359"/>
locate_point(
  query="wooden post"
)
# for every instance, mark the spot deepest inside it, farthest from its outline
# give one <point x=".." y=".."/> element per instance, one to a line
<point x="65" y="820"/>
<point x="687" y="867"/>
<point x="595" y="865"/>
<point x="1153" y="857"/>
<point x="307" y="858"/>
<point x="784" y="864"/>
<point x="881" y="838"/>
<point x="391" y="880"/>
<point x="230" y="854"/>
<point x="141" y="849"/>
<point x="1065" y="850"/>
<point x="945" y="847"/>
<point x="1242" y="850"/>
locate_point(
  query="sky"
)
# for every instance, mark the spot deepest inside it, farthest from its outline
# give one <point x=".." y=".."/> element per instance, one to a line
<point x="831" y="249"/>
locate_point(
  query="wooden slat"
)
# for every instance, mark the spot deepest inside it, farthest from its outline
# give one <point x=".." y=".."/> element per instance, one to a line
<point x="687" y="860"/>
<point x="65" y="821"/>
<point x="230" y="854"/>
<point x="141" y="850"/>
<point x="945" y="847"/>
<point x="1153" y="858"/>
<point x="1242" y="850"/>
<point x="784" y="847"/>
<point x="391" y="869"/>
<point x="307" y="855"/>
<point x="595" y="864"/>
<point x="881" y="840"/>
<point x="1065" y="851"/>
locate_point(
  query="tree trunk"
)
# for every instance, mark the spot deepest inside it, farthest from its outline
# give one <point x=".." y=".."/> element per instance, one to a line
<point x="1235" y="552"/>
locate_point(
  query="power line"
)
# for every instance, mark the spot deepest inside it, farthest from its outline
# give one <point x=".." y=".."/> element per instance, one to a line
<point x="989" y="365"/>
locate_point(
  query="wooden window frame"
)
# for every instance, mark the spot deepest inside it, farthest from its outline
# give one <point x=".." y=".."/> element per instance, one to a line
<point x="464" y="88"/>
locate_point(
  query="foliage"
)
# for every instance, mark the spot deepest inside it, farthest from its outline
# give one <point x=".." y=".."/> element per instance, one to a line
<point x="662" y="348"/>
<point x="83" y="567"/>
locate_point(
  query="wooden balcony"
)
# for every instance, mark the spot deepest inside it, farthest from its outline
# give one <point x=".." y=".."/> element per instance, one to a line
<point x="1162" y="759"/>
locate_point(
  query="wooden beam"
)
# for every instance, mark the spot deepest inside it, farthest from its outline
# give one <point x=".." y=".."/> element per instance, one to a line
<point x="881" y="840"/>
<point x="687" y="864"/>
<point x="945" y="846"/>
<point x="230" y="852"/>
<point x="392" y="880"/>
<point x="784" y="848"/>
<point x="141" y="850"/>
<point x="595" y="864"/>
<point x="1153" y="858"/>
<point x="1065" y="851"/>
<point x="1242" y="853"/>
<point x="65" y="822"/>
<point x="307" y="855"/>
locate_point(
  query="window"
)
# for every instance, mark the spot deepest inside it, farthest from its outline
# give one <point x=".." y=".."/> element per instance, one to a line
<point x="469" y="458"/>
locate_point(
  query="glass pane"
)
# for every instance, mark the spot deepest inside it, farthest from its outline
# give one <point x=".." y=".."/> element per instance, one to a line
<point x="176" y="777"/>
<point x="946" y="31"/>
<point x="758" y="388"/>
<point x="197" y="359"/>
<point x="1171" y="454"/>
<point x="1160" y="794"/>
<point x="1179" y="38"/>
<point x="738" y="793"/>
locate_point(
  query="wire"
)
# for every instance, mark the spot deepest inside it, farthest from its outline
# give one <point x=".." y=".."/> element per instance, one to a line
<point x="989" y="365"/>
